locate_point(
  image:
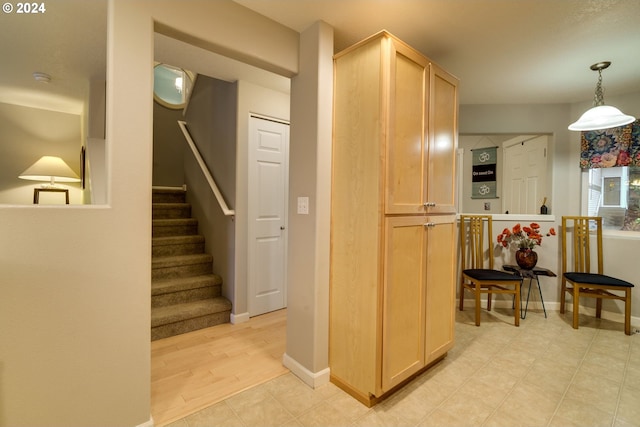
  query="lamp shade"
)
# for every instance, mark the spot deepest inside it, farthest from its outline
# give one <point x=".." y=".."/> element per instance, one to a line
<point x="50" y="168"/>
<point x="601" y="117"/>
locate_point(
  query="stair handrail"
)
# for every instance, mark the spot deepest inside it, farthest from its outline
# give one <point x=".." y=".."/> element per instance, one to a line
<point x="205" y="170"/>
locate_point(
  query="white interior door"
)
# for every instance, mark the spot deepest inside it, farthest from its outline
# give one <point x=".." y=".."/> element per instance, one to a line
<point x="267" y="212"/>
<point x="525" y="173"/>
<point x="513" y="179"/>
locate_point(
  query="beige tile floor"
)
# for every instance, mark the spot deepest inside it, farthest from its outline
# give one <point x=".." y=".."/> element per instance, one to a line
<point x="543" y="373"/>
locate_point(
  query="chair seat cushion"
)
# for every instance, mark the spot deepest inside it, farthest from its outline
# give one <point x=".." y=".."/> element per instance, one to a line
<point x="489" y="275"/>
<point x="596" y="279"/>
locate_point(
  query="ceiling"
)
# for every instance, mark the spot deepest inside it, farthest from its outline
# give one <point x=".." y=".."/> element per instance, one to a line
<point x="67" y="41"/>
<point x="503" y="51"/>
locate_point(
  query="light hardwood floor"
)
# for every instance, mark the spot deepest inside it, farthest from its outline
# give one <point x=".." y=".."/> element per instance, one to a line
<point x="192" y="371"/>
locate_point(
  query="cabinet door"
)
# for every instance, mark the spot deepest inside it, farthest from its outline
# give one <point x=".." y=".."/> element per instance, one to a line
<point x="403" y="300"/>
<point x="441" y="285"/>
<point x="406" y="115"/>
<point x="443" y="141"/>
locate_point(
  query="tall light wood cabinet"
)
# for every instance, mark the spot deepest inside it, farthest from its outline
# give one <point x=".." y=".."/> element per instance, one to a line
<point x="392" y="268"/>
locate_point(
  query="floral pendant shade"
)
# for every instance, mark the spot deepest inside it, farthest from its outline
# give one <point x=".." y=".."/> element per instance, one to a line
<point x="619" y="146"/>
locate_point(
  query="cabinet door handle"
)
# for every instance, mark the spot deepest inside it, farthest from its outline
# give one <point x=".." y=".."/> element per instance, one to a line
<point x="429" y="224"/>
<point x="429" y="204"/>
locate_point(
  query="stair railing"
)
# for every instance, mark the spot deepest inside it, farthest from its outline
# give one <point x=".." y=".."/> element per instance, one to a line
<point x="205" y="171"/>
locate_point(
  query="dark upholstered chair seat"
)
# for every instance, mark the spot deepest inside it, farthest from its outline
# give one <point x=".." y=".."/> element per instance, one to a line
<point x="492" y="275"/>
<point x="597" y="279"/>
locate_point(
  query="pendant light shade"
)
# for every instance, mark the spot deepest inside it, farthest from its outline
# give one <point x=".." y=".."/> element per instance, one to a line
<point x="601" y="116"/>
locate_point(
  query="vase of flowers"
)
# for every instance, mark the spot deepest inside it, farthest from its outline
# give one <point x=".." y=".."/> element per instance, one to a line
<point x="525" y="239"/>
<point x="526" y="258"/>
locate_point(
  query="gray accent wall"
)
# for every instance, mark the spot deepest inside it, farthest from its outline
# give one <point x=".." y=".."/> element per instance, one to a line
<point x="211" y="120"/>
<point x="168" y="147"/>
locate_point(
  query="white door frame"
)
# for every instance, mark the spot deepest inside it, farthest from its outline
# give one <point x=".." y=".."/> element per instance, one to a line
<point x="252" y="229"/>
<point x="535" y="202"/>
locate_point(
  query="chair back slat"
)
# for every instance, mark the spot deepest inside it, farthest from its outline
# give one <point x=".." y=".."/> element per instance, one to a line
<point x="578" y="229"/>
<point x="475" y="238"/>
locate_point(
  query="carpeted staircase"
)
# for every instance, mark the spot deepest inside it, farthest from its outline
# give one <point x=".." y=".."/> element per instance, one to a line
<point x="185" y="294"/>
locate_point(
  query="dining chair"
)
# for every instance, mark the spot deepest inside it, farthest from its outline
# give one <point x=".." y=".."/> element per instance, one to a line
<point x="578" y="280"/>
<point x="478" y="275"/>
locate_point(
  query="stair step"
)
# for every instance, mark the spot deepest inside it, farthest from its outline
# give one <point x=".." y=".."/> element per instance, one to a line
<point x="169" y="195"/>
<point x="177" y="245"/>
<point x="181" y="318"/>
<point x="185" y="294"/>
<point x="170" y="267"/>
<point x="171" y="210"/>
<point x="185" y="289"/>
<point x="174" y="227"/>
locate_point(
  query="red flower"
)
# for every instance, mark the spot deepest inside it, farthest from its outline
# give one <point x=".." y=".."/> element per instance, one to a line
<point x="523" y="237"/>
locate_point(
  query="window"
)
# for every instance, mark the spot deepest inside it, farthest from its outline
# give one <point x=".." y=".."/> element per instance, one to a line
<point x="171" y="86"/>
<point x="614" y="194"/>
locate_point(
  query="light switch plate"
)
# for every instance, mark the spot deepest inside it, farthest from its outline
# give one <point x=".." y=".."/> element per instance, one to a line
<point x="303" y="205"/>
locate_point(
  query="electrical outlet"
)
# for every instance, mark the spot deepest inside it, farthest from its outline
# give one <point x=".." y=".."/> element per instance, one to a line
<point x="303" y="205"/>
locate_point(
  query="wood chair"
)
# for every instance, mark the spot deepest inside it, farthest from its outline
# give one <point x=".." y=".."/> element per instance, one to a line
<point x="576" y="269"/>
<point x="478" y="275"/>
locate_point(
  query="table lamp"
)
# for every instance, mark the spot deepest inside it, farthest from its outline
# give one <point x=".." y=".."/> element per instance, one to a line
<point x="52" y="169"/>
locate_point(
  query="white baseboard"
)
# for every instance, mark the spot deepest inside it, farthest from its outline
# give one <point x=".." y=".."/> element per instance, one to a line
<point x="608" y="315"/>
<point x="555" y="306"/>
<point x="239" y="318"/>
<point x="148" y="423"/>
<point x="162" y="187"/>
<point x="312" y="379"/>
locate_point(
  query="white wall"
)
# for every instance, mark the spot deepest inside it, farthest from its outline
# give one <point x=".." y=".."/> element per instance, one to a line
<point x="75" y="294"/>
<point x="468" y="143"/>
<point x="266" y="102"/>
<point x="310" y="176"/>
<point x="75" y="283"/>
<point x="26" y="134"/>
<point x="620" y="252"/>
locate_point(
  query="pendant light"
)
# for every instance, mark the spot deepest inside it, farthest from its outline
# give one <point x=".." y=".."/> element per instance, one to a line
<point x="601" y="116"/>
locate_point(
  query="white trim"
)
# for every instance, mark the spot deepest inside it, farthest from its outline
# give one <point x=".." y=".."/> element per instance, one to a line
<point x="271" y="119"/>
<point x="205" y="170"/>
<point x="313" y="380"/>
<point x="239" y="318"/>
<point x="620" y="234"/>
<point x="148" y="423"/>
<point x="555" y="306"/>
<point x="607" y="315"/>
<point x="459" y="178"/>
<point x="161" y="187"/>
<point x="517" y="217"/>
